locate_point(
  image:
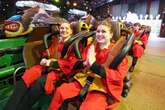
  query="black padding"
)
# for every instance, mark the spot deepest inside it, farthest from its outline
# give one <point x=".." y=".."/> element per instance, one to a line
<point x="69" y="42"/>
<point x="80" y="39"/>
<point x="54" y="64"/>
<point x="98" y="69"/>
<point x="116" y="30"/>
<point x="85" y="88"/>
<point x="48" y="36"/>
<point x="78" y="65"/>
<point x="77" y="51"/>
<point x="123" y="52"/>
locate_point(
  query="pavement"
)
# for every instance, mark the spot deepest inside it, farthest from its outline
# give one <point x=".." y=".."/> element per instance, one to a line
<point x="148" y="90"/>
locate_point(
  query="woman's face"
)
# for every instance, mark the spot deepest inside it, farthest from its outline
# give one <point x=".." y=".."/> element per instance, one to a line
<point x="136" y="28"/>
<point x="65" y="30"/>
<point x="103" y="34"/>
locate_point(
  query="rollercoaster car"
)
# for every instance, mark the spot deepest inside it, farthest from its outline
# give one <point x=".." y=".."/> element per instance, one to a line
<point x="38" y="44"/>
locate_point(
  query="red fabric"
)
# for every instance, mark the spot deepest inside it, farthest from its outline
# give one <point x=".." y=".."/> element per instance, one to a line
<point x="65" y="91"/>
<point x="136" y="33"/>
<point x="54" y="47"/>
<point x="50" y="84"/>
<point x="67" y="64"/>
<point x="144" y="39"/>
<point x="94" y="101"/>
<point x="114" y="78"/>
<point x="113" y="82"/>
<point x="70" y="90"/>
<point x="137" y="49"/>
<point x="32" y="74"/>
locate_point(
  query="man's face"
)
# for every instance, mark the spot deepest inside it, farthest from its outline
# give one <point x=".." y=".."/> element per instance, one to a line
<point x="65" y="30"/>
<point x="103" y="34"/>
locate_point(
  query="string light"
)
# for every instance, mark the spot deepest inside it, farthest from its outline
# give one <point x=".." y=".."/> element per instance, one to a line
<point x="57" y="0"/>
<point x="67" y="3"/>
<point x="74" y="4"/>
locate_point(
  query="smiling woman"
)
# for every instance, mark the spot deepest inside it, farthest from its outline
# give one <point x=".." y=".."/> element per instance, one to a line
<point x="65" y="31"/>
<point x="104" y="33"/>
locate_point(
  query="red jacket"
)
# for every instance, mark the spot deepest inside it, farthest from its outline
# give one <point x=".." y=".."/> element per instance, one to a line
<point x="114" y="78"/>
<point x="66" y="65"/>
<point x="138" y="50"/>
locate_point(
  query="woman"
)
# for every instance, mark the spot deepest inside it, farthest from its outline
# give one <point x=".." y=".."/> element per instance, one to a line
<point x="108" y="82"/>
<point x="33" y="83"/>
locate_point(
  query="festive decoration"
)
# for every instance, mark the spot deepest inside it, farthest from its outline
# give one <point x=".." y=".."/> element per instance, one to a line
<point x="48" y="7"/>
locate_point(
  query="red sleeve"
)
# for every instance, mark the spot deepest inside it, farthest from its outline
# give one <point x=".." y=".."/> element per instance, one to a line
<point x="52" y="48"/>
<point x="84" y="53"/>
<point x="144" y="39"/>
<point x="67" y="64"/>
<point x="114" y="78"/>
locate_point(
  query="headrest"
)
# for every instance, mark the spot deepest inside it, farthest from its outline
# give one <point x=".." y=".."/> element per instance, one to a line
<point x="83" y="26"/>
<point x="79" y="26"/>
<point x="119" y="29"/>
<point x="125" y="32"/>
<point x="116" y="30"/>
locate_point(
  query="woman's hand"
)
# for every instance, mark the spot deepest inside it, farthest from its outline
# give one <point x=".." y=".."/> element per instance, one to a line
<point x="90" y="56"/>
<point x="46" y="62"/>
